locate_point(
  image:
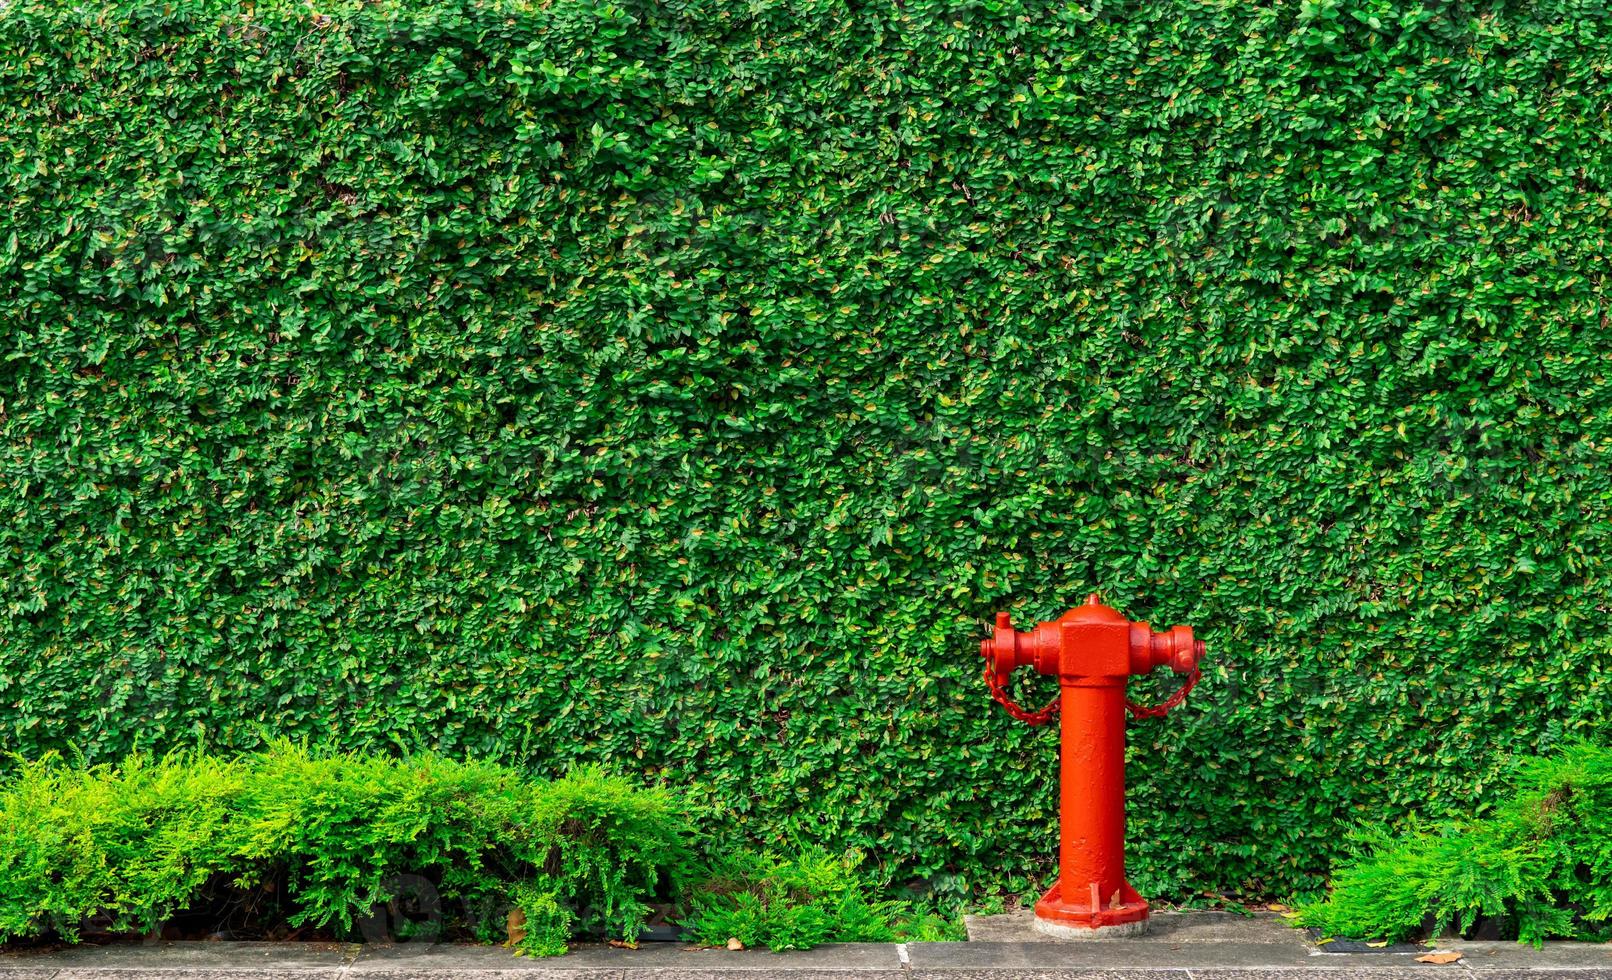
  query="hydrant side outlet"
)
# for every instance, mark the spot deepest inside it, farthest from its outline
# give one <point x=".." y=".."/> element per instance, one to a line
<point x="1093" y="650"/>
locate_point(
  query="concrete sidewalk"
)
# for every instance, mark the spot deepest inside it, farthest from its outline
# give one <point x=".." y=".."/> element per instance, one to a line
<point x="1182" y="946"/>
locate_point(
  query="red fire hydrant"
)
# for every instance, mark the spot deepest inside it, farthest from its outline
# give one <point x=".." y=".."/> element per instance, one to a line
<point x="1093" y="650"/>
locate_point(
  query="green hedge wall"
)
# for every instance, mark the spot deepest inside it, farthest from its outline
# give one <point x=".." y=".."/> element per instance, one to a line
<point x="683" y="385"/>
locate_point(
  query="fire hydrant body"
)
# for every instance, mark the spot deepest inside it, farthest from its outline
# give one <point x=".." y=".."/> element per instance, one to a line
<point x="1093" y="650"/>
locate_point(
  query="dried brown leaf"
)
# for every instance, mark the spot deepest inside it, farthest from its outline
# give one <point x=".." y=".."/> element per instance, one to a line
<point x="1438" y="958"/>
<point x="515" y="927"/>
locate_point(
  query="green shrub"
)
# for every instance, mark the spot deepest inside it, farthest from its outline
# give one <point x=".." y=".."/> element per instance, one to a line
<point x="136" y="842"/>
<point x="684" y="385"/>
<point x="546" y="921"/>
<point x="344" y="832"/>
<point x="796" y="902"/>
<point x="1542" y="862"/>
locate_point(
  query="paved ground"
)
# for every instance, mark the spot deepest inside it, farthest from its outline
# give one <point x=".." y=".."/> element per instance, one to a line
<point x="1183" y="946"/>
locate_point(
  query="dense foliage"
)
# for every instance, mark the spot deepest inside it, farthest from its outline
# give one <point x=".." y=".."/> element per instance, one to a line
<point x="801" y="900"/>
<point x="419" y="849"/>
<point x="684" y="384"/>
<point x="1540" y="865"/>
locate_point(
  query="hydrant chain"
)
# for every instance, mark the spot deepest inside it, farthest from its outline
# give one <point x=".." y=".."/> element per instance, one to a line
<point x="1049" y="711"/>
<point x="1033" y="718"/>
<point x="1163" y="708"/>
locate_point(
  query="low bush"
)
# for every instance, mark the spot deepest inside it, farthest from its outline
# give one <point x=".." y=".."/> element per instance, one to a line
<point x="1540" y="863"/>
<point x="316" y="840"/>
<point x="134" y="843"/>
<point x="795" y="902"/>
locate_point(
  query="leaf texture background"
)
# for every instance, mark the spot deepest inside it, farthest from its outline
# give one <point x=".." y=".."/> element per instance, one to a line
<point x="683" y="386"/>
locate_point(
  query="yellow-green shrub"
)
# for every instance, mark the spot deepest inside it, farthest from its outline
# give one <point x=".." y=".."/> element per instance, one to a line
<point x="139" y="842"/>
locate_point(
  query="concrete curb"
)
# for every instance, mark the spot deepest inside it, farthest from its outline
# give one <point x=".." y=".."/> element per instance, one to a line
<point x="1181" y="946"/>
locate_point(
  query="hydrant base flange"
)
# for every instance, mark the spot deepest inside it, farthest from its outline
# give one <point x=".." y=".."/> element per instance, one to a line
<point x="1125" y="914"/>
<point x="1057" y="930"/>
